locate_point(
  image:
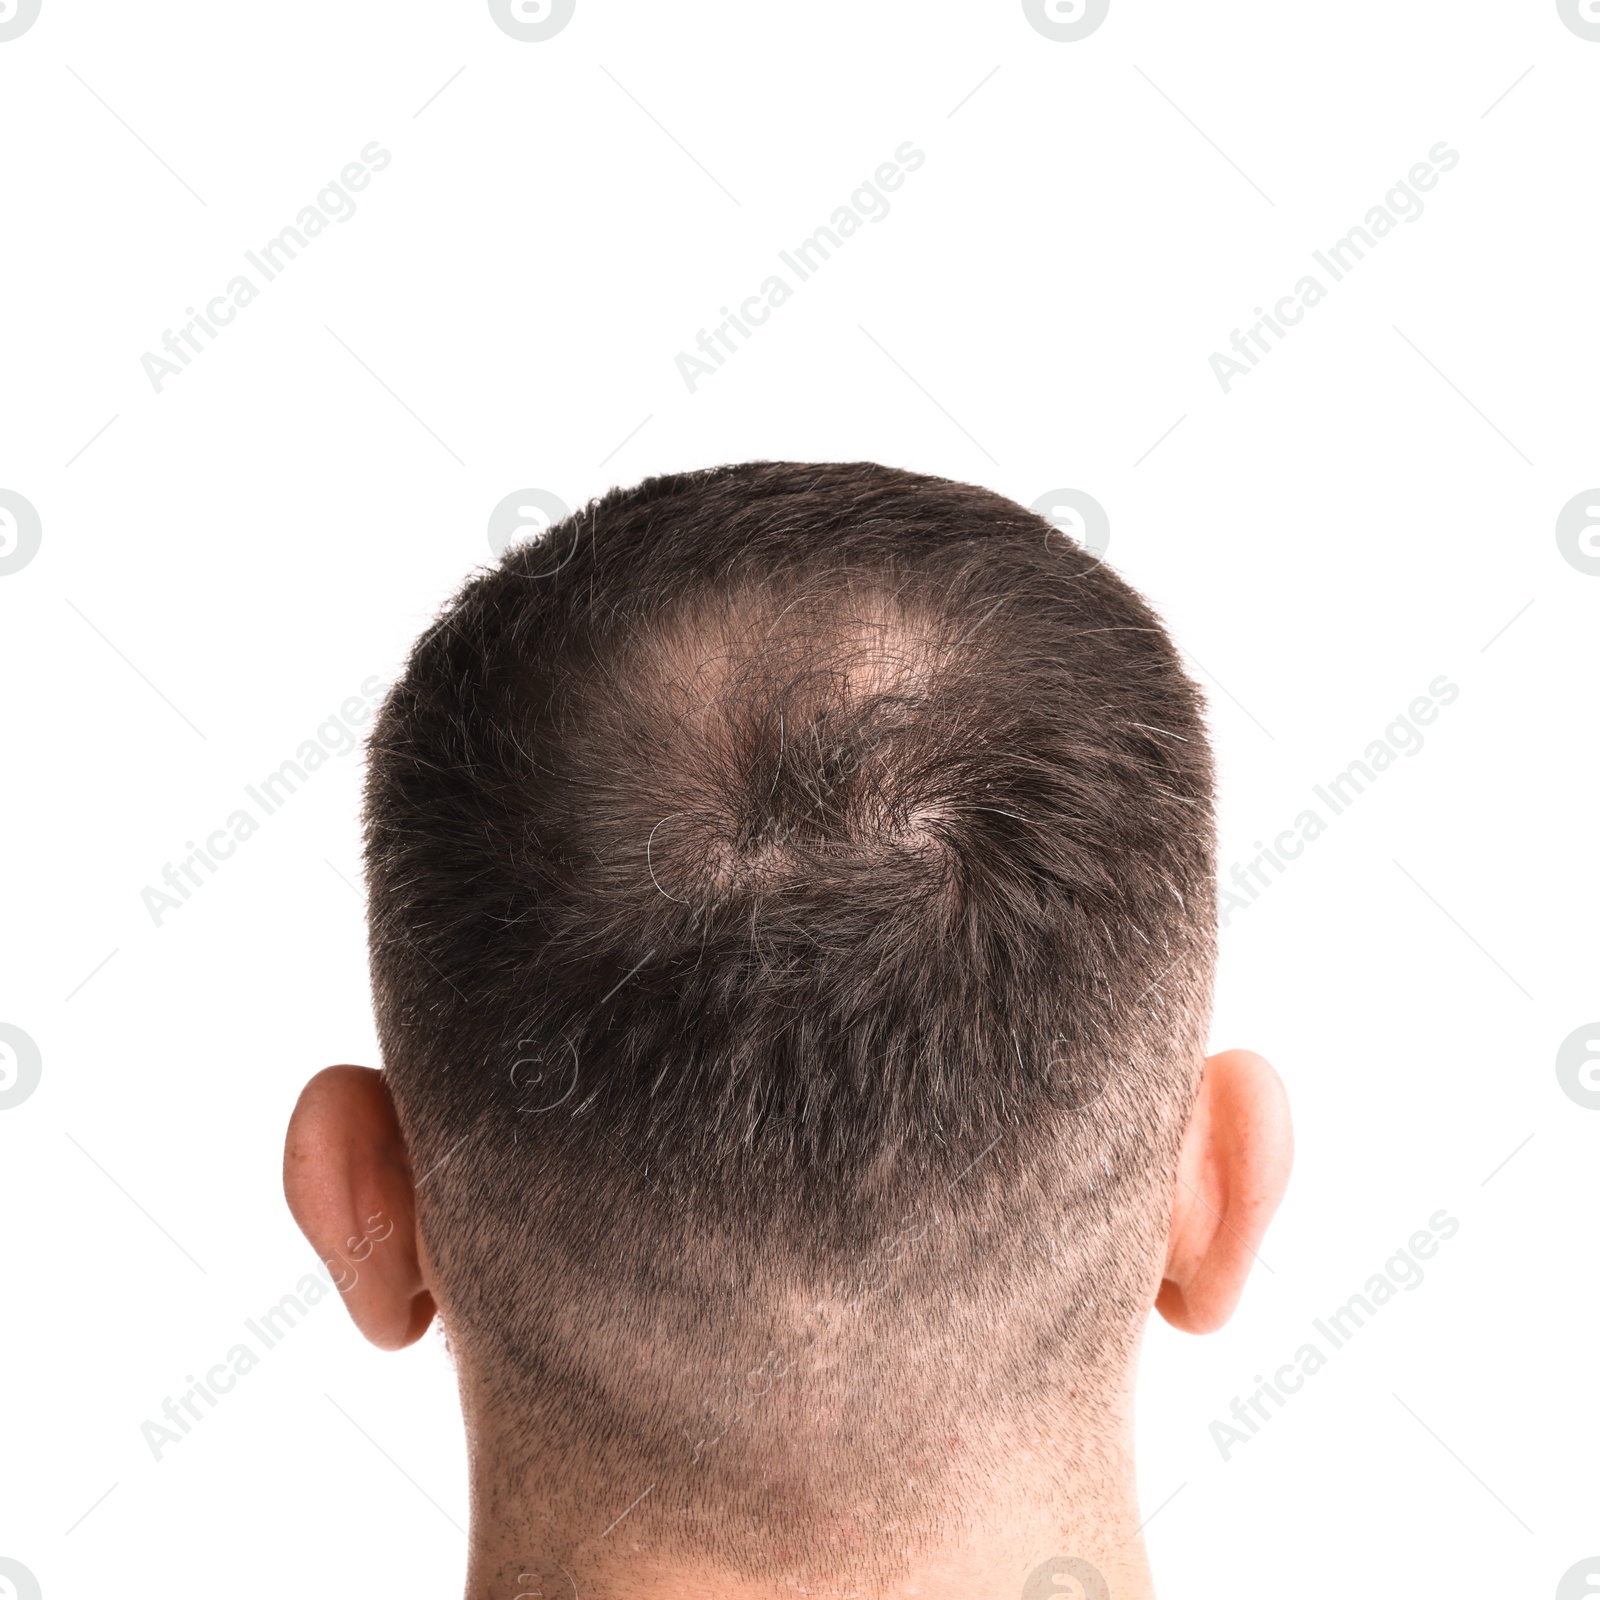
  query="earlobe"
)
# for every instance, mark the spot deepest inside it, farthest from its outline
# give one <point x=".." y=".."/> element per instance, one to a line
<point x="348" y="1182"/>
<point x="1232" y="1173"/>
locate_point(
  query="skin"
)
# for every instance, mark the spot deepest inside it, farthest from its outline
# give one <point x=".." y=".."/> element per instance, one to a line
<point x="345" y="1163"/>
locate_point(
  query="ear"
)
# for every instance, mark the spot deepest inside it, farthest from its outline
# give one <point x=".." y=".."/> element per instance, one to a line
<point x="347" y="1178"/>
<point x="1232" y="1171"/>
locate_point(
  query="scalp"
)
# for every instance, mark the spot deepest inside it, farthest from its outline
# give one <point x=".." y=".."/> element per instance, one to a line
<point x="761" y="859"/>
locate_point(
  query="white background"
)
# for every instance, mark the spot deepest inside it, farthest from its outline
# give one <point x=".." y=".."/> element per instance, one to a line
<point x="230" y="559"/>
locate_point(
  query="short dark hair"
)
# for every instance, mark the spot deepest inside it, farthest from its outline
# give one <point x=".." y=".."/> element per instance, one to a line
<point x="784" y="876"/>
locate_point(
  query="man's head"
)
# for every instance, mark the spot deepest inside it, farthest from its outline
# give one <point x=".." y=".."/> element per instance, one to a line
<point x="792" y="928"/>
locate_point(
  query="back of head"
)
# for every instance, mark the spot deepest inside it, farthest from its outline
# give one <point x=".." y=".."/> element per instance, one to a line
<point x="792" y="928"/>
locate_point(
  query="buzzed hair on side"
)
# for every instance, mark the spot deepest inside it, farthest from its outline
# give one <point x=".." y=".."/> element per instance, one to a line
<point x="792" y="928"/>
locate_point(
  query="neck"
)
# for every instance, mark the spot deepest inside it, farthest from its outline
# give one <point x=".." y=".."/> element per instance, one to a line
<point x="542" y="1542"/>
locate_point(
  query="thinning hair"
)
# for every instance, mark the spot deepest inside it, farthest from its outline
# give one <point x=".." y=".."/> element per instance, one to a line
<point x="792" y="927"/>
